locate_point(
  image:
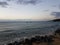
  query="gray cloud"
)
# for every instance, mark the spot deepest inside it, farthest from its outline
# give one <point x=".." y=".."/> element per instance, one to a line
<point x="54" y="5"/>
<point x="46" y="10"/>
<point x="3" y="4"/>
<point x="29" y="1"/>
<point x="26" y="1"/>
<point x="59" y="6"/>
<point x="56" y="14"/>
<point x="8" y="0"/>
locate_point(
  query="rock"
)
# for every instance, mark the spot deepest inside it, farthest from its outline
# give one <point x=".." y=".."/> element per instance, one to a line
<point x="56" y="20"/>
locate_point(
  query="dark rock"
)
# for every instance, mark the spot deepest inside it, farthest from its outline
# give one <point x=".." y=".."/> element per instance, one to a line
<point x="57" y="31"/>
<point x="56" y="20"/>
<point x="36" y="39"/>
<point x="10" y="44"/>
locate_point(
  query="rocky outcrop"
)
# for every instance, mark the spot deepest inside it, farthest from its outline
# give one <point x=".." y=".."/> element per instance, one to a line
<point x="56" y="20"/>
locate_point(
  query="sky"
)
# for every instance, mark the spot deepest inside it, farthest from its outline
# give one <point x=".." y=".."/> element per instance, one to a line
<point x="30" y="9"/>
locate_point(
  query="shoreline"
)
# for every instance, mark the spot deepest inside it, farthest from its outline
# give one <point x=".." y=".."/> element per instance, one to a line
<point x="51" y="39"/>
<point x="40" y="40"/>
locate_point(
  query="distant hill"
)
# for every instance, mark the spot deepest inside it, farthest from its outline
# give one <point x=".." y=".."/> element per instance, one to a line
<point x="56" y="20"/>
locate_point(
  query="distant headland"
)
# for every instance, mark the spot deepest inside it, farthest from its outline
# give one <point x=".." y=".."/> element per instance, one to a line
<point x="56" y="20"/>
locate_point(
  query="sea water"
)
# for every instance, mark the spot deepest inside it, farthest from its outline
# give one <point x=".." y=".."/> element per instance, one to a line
<point x="11" y="31"/>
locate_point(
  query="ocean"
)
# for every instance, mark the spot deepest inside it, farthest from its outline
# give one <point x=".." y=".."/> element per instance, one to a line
<point x="12" y="31"/>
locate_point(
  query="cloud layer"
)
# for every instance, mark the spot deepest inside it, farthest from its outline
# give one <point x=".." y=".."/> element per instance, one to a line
<point x="3" y="4"/>
<point x="29" y="1"/>
<point x="56" y="14"/>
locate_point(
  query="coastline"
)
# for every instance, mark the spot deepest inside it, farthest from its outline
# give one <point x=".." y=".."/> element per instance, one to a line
<point x="50" y="29"/>
<point x="40" y="40"/>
